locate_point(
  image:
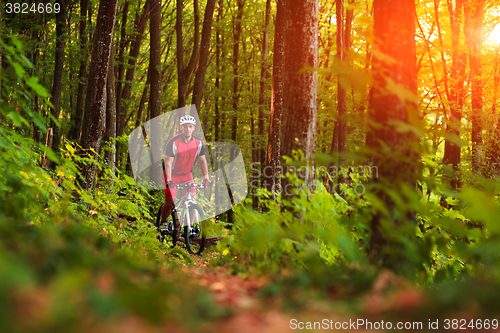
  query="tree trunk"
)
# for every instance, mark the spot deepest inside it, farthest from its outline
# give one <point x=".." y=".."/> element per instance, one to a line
<point x="123" y="100"/>
<point x="396" y="159"/>
<point x="273" y="182"/>
<point x="264" y="74"/>
<point x="121" y="61"/>
<point x="1" y="58"/>
<point x="217" y="75"/>
<point x="58" y="71"/>
<point x="236" y="55"/>
<point x="476" y="35"/>
<point x="95" y="102"/>
<point x="255" y="155"/>
<point x="341" y="90"/>
<point x="142" y="102"/>
<point x="300" y="89"/>
<point x="155" y="59"/>
<point x="82" y="74"/>
<point x="126" y="93"/>
<point x="111" y="113"/>
<point x="204" y="53"/>
<point x="184" y="72"/>
<point x="456" y="94"/>
<point x="492" y="150"/>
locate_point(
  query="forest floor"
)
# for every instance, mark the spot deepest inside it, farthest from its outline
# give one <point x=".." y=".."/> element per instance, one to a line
<point x="248" y="311"/>
<point x="240" y="295"/>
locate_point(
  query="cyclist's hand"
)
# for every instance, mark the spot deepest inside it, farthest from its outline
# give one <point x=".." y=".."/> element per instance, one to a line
<point x="207" y="182"/>
<point x="171" y="184"/>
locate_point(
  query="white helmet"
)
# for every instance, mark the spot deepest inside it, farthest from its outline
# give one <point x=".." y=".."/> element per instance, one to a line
<point x="187" y="120"/>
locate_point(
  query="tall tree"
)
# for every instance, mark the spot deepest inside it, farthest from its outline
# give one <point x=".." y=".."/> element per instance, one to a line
<point x="236" y="55"/>
<point x="455" y="92"/>
<point x="123" y="95"/>
<point x="201" y="69"/>
<point x="396" y="158"/>
<point x="95" y="103"/>
<point x="273" y="183"/>
<point x="341" y="90"/>
<point x="111" y="113"/>
<point x="154" y="71"/>
<point x="184" y="71"/>
<point x="476" y="41"/>
<point x="264" y="74"/>
<point x="58" y="71"/>
<point x="492" y="150"/>
<point x="217" y="64"/>
<point x="124" y="42"/>
<point x="82" y="73"/>
<point x="300" y="84"/>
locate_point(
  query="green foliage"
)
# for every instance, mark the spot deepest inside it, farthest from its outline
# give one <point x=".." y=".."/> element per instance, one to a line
<point x="74" y="260"/>
<point x="292" y="238"/>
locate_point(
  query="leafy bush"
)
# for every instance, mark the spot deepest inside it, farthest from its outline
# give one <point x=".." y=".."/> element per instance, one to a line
<point x="74" y="260"/>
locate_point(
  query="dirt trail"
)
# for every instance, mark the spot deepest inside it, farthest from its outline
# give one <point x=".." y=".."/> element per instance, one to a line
<point x="249" y="312"/>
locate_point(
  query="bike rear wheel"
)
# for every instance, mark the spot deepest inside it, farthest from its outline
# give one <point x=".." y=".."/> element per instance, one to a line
<point x="196" y="238"/>
<point x="167" y="229"/>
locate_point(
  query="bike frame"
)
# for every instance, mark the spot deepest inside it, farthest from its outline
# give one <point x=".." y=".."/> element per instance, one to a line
<point x="183" y="204"/>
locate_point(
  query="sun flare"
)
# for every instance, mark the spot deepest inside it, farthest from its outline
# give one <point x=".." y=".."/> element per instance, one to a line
<point x="494" y="37"/>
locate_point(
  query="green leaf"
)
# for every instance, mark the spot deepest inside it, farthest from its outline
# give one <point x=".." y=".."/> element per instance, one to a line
<point x="17" y="119"/>
<point x="452" y="201"/>
<point x="50" y="153"/>
<point x="18" y="68"/>
<point x="17" y="43"/>
<point x="27" y="62"/>
<point x="39" y="89"/>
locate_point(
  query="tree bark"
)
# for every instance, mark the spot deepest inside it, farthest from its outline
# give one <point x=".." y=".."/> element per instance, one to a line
<point x="124" y="42"/>
<point x="300" y="90"/>
<point x="1" y="57"/>
<point x="264" y="74"/>
<point x="58" y="71"/>
<point x="206" y="34"/>
<point x="111" y="113"/>
<point x="155" y="59"/>
<point x="126" y="93"/>
<point x="95" y="103"/>
<point x="142" y="102"/>
<point x="217" y="75"/>
<point x="236" y="55"/>
<point x="452" y="150"/>
<point x="184" y="72"/>
<point x="476" y="35"/>
<point x="82" y="73"/>
<point x="341" y="90"/>
<point x="492" y="150"/>
<point x="273" y="182"/>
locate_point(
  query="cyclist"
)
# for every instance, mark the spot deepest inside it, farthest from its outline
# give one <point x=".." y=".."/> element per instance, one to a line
<point x="182" y="151"/>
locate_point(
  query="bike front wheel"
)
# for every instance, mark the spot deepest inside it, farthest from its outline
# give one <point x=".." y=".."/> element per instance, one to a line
<point x="195" y="236"/>
<point x="167" y="229"/>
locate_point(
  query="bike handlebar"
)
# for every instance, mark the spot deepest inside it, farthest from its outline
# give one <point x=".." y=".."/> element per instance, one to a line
<point x="189" y="185"/>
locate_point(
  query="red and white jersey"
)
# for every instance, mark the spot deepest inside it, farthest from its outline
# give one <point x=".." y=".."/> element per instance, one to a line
<point x="184" y="154"/>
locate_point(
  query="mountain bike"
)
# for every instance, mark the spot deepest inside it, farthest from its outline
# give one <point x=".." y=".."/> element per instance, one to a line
<point x="188" y="217"/>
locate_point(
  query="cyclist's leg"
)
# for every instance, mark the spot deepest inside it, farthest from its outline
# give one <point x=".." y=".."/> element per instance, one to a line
<point x="189" y="179"/>
<point x="193" y="195"/>
<point x="166" y="209"/>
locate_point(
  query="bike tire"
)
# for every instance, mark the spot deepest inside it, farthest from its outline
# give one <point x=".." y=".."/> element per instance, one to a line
<point x="172" y="226"/>
<point x="196" y="245"/>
